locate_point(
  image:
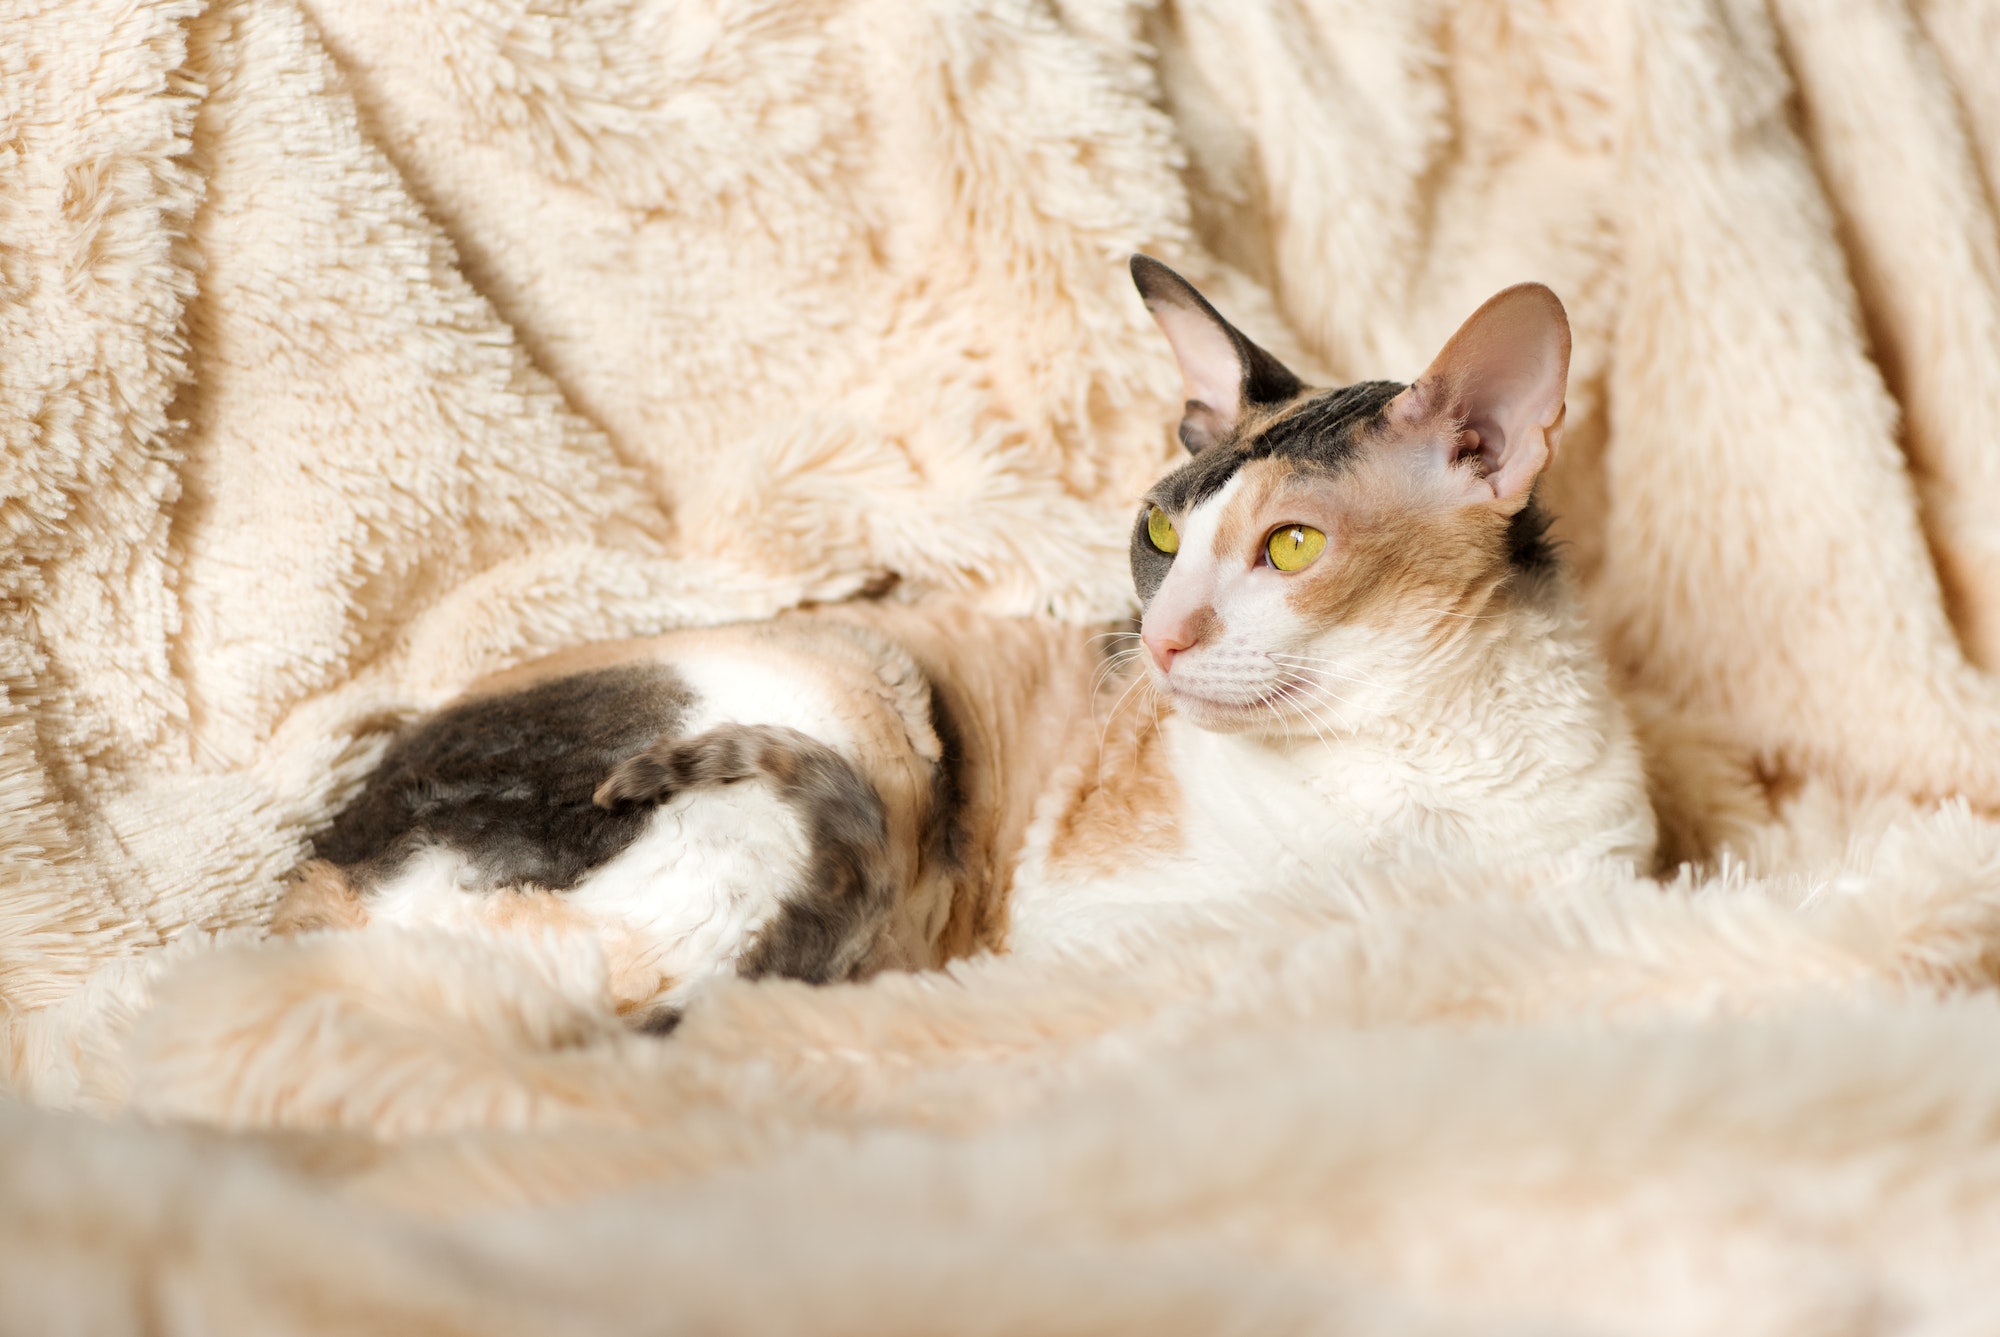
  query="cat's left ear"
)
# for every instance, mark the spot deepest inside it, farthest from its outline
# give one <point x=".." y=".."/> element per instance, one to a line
<point x="1223" y="372"/>
<point x="1495" y="395"/>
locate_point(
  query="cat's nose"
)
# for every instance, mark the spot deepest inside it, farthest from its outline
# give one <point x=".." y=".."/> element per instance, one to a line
<point x="1164" y="645"/>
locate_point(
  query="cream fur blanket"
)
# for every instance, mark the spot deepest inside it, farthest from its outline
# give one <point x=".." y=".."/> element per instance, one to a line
<point x="350" y="348"/>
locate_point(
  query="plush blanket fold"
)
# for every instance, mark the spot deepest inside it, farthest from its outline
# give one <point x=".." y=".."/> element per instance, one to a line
<point x="350" y="349"/>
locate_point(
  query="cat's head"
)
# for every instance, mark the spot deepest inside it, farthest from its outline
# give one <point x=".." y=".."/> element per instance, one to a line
<point x="1322" y="547"/>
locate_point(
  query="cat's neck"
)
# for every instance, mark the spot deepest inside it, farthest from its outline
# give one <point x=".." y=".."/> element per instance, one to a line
<point x="1503" y="742"/>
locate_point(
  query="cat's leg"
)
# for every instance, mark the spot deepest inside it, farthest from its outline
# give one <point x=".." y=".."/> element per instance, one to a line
<point x="827" y="922"/>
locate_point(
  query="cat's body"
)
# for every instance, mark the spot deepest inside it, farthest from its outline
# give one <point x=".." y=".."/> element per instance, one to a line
<point x="1356" y="650"/>
<point x="819" y="796"/>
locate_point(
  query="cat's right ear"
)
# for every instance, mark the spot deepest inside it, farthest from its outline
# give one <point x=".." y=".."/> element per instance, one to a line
<point x="1491" y="404"/>
<point x="1222" y="371"/>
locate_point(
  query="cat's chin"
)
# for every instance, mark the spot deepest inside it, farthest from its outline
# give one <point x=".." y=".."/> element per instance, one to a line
<point x="1218" y="716"/>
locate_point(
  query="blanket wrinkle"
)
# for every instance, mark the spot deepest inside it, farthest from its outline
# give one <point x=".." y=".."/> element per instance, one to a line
<point x="350" y="351"/>
<point x="1920" y="336"/>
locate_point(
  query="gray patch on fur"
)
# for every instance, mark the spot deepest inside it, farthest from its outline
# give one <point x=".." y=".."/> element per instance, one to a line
<point x="507" y="781"/>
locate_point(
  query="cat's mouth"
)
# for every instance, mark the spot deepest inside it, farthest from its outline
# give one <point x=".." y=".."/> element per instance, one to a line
<point x="1226" y="714"/>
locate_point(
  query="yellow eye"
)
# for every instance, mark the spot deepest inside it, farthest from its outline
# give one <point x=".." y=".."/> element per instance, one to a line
<point x="1293" y="547"/>
<point x="1160" y="531"/>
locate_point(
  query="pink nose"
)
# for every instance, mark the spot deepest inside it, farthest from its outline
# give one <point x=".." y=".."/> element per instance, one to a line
<point x="1163" y="645"/>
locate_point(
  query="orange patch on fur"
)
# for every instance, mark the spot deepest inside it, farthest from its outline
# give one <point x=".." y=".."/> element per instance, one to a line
<point x="1016" y="693"/>
<point x="320" y="897"/>
<point x="1407" y="552"/>
<point x="1404" y="545"/>
<point x="1126" y="800"/>
<point x="1204" y="624"/>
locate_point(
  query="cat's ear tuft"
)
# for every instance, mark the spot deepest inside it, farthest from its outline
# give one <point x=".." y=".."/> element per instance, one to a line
<point x="1495" y="395"/>
<point x="1223" y="373"/>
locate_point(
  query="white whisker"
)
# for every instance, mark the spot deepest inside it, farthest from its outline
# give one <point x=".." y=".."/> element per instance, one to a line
<point x="1320" y="690"/>
<point x="1111" y="666"/>
<point x="1318" y="676"/>
<point x="1104" y="730"/>
<point x="1313" y="719"/>
<point x="1325" y="668"/>
<point x="1469" y="617"/>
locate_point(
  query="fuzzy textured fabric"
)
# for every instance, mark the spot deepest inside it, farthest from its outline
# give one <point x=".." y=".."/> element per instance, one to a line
<point x="352" y="348"/>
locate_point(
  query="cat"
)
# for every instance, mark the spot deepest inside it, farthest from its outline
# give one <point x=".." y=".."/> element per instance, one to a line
<point x="1363" y="646"/>
<point x="1356" y="645"/>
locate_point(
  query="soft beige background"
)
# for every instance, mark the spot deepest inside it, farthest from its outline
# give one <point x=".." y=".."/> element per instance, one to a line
<point x="351" y="348"/>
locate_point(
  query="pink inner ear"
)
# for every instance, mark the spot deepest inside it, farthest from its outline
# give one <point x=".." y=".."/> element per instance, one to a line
<point x="1502" y="377"/>
<point x="1211" y="368"/>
